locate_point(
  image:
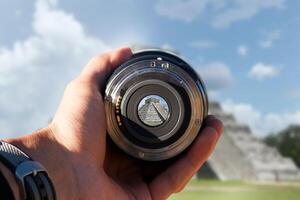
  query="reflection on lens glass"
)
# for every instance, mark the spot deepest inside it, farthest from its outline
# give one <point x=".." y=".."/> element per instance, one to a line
<point x="153" y="110"/>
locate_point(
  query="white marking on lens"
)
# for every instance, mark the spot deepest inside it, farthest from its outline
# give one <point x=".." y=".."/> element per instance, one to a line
<point x="141" y="154"/>
<point x="153" y="64"/>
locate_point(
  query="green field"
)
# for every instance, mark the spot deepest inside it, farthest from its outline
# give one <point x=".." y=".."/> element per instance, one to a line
<point x="238" y="190"/>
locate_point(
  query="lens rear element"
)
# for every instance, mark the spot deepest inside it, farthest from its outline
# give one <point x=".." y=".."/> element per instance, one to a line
<point x="153" y="110"/>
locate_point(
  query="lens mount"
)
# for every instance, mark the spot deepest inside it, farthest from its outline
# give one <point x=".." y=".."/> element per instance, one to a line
<point x="155" y="105"/>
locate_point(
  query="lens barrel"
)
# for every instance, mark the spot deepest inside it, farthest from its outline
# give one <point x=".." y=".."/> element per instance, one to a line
<point x="155" y="104"/>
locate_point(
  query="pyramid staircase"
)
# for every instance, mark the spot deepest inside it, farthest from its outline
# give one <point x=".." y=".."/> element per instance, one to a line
<point x="241" y="155"/>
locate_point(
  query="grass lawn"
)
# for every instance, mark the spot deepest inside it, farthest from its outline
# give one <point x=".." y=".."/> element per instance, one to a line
<point x="238" y="190"/>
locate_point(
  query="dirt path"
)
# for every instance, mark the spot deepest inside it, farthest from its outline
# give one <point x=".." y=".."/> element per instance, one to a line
<point x="249" y="187"/>
<point x="218" y="188"/>
<point x="279" y="184"/>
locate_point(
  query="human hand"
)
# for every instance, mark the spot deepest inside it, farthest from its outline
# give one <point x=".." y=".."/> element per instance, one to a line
<point x="81" y="161"/>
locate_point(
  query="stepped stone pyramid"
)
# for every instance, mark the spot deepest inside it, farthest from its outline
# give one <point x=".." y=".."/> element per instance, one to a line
<point x="152" y="112"/>
<point x="240" y="155"/>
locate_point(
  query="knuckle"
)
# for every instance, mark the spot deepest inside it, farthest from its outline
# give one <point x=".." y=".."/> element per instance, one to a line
<point x="100" y="64"/>
<point x="101" y="58"/>
<point x="194" y="163"/>
<point x="81" y="88"/>
<point x="179" y="189"/>
<point x="71" y="85"/>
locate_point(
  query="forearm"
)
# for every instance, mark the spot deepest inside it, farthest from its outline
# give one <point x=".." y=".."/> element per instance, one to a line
<point x="42" y="147"/>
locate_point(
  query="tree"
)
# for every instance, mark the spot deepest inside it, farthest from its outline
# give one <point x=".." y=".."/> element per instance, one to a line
<point x="287" y="142"/>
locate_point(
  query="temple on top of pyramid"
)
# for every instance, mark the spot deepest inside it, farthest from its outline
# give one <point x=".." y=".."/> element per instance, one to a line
<point x="152" y="100"/>
<point x="240" y="155"/>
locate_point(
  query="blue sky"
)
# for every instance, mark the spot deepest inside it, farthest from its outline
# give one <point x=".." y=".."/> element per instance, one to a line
<point x="248" y="52"/>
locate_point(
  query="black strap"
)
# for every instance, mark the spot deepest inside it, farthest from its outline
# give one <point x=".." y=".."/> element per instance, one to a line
<point x="11" y="156"/>
<point x="31" y="176"/>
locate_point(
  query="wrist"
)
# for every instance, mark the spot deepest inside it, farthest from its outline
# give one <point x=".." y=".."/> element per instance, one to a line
<point x="42" y="147"/>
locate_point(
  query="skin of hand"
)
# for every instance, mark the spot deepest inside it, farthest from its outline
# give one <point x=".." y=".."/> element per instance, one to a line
<point x="83" y="163"/>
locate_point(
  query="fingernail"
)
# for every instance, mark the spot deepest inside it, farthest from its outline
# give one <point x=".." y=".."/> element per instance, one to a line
<point x="210" y="118"/>
<point x="215" y="123"/>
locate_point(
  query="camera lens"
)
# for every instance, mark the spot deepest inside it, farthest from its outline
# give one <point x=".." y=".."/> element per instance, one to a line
<point x="155" y="105"/>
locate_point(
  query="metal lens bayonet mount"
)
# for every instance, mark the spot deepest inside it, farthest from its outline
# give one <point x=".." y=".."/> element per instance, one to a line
<point x="155" y="105"/>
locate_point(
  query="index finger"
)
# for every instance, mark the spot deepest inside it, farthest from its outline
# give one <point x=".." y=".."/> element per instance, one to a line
<point x="100" y="67"/>
<point x="177" y="175"/>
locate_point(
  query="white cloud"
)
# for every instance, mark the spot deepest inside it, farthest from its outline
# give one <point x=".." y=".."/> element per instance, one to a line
<point x="203" y="44"/>
<point x="295" y="94"/>
<point x="242" y="50"/>
<point x="270" y="38"/>
<point x="241" y="10"/>
<point x="179" y="9"/>
<point x="216" y="75"/>
<point x="18" y="12"/>
<point x="167" y="46"/>
<point x="34" y="72"/>
<point x="261" y="71"/>
<point x="222" y="13"/>
<point x="261" y="123"/>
